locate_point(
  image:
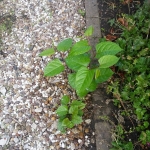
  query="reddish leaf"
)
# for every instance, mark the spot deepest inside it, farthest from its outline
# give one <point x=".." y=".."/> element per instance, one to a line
<point x="110" y="37"/>
<point x="112" y="31"/>
<point x="123" y="22"/>
<point x="127" y="2"/>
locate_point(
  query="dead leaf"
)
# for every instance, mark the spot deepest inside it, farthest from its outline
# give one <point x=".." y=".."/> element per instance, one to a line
<point x="112" y="31"/>
<point x="110" y="37"/>
<point x="123" y="22"/>
<point x="127" y="2"/>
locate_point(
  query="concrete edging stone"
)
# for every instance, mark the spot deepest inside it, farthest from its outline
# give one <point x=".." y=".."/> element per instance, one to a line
<point x="102" y="127"/>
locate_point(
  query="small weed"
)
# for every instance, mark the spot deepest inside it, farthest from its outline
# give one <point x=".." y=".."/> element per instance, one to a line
<point x="112" y="22"/>
<point x="81" y="12"/>
<point x="70" y="113"/>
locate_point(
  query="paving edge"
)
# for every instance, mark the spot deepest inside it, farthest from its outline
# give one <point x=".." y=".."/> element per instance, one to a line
<point x="102" y="109"/>
<point x="102" y="127"/>
<point x="92" y="19"/>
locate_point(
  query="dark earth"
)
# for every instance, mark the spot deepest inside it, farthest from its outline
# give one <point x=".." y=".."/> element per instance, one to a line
<point x="110" y="11"/>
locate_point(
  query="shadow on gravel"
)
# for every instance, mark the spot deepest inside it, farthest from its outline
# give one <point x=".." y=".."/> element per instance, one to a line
<point x="6" y="22"/>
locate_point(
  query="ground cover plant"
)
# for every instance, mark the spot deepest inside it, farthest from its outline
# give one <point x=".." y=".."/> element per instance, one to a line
<point x="130" y="85"/>
<point x="84" y="77"/>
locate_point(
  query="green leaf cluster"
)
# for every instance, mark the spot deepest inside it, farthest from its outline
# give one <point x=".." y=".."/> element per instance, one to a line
<point x="70" y="113"/>
<point x="83" y="78"/>
<point x="134" y="65"/>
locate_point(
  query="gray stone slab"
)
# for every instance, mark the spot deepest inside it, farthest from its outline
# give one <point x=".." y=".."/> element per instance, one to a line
<point x="93" y="41"/>
<point x="103" y="119"/>
<point x="92" y="19"/>
<point x="91" y="6"/>
<point x="95" y="22"/>
<point x="101" y="109"/>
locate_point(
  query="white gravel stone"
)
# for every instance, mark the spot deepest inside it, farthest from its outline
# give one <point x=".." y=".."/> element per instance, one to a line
<point x="38" y="109"/>
<point x="88" y="121"/>
<point x="79" y="141"/>
<point x="16" y="140"/>
<point x="3" y="142"/>
<point x="72" y="146"/>
<point x="34" y="126"/>
<point x="24" y="90"/>
<point x="3" y="90"/>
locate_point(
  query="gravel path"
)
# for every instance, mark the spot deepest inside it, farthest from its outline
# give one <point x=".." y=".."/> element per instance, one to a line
<point x="29" y="100"/>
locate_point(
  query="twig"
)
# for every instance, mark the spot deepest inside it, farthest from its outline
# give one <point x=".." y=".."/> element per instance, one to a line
<point x="118" y="97"/>
<point x="17" y="121"/>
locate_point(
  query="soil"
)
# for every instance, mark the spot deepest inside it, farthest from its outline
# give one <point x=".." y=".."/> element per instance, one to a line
<point x="110" y="11"/>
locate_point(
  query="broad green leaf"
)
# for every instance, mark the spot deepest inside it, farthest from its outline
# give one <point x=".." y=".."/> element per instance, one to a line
<point x="80" y="47"/>
<point x="143" y="137"/>
<point x="76" y="119"/>
<point x="81" y="106"/>
<point x="82" y="93"/>
<point x="140" y="113"/>
<point x="73" y="110"/>
<point x="92" y="86"/>
<point x="107" y="48"/>
<point x="75" y="62"/>
<point x="108" y="61"/>
<point x="53" y="68"/>
<point x="65" y="100"/>
<point x="47" y="52"/>
<point x="72" y="79"/>
<point x="129" y="146"/>
<point x="97" y="73"/>
<point x="146" y="124"/>
<point x="59" y="125"/>
<point x="105" y="74"/>
<point x="89" y="31"/>
<point x="80" y="112"/>
<point x="78" y="103"/>
<point x="84" y="78"/>
<point x="65" y="45"/>
<point x="67" y="123"/>
<point x="62" y="110"/>
<point x="148" y="135"/>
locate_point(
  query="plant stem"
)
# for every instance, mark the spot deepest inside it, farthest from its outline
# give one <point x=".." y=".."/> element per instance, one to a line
<point x="118" y="97"/>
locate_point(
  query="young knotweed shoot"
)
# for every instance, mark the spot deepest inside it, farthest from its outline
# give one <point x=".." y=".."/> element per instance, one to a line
<point x="84" y="79"/>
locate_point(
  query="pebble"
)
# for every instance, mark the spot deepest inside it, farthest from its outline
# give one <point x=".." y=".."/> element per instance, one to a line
<point x="29" y="98"/>
<point x="33" y="126"/>
<point x="38" y="109"/>
<point x="72" y="146"/>
<point x="16" y="140"/>
<point x="88" y="121"/>
<point x="3" y="90"/>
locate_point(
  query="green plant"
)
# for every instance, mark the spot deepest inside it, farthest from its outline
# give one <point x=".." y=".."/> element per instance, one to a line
<point x="132" y="84"/>
<point x="81" y="12"/>
<point x="70" y="113"/>
<point x="112" y="22"/>
<point x="84" y="77"/>
<point x="119" y="143"/>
